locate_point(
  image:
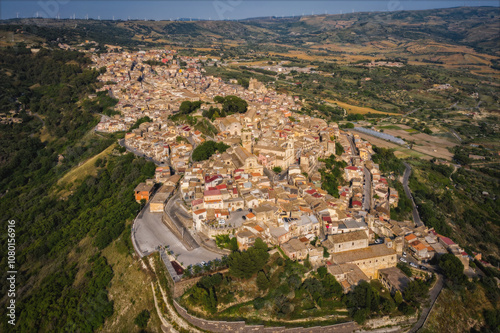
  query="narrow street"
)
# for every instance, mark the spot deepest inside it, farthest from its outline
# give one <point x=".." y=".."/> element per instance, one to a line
<point x="367" y="197"/>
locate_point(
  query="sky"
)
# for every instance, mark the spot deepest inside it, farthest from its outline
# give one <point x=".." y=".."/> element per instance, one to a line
<point x="209" y="9"/>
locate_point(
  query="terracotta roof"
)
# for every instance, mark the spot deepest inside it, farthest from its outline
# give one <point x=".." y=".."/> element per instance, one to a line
<point x="446" y="240"/>
<point x="212" y="192"/>
<point x="411" y="237"/>
<point x="373" y="251"/>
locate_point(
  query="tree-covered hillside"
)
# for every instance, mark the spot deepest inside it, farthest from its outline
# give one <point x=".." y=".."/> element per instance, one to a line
<point x="59" y="289"/>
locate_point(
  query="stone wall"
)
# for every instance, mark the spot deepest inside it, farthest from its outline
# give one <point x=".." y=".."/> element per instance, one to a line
<point x="388" y="321"/>
<point x="180" y="232"/>
<point x="240" y="326"/>
<point x="183" y="285"/>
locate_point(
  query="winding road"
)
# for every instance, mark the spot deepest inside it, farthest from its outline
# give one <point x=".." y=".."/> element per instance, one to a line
<point x="434" y="293"/>
<point x="406" y="177"/>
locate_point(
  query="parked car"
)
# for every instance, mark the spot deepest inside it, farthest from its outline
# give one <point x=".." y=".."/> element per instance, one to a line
<point x="423" y="268"/>
<point x="403" y="260"/>
<point x="413" y="265"/>
<point x="404" y="254"/>
<point x="203" y="263"/>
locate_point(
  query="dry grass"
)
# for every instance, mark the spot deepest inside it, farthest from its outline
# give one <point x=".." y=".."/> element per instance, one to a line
<point x="87" y="168"/>
<point x="130" y="291"/>
<point x="360" y="109"/>
<point x="454" y="314"/>
<point x="400" y="152"/>
<point x="426" y="144"/>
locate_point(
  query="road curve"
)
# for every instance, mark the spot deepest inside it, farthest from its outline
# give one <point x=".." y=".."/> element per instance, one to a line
<point x="434" y="293"/>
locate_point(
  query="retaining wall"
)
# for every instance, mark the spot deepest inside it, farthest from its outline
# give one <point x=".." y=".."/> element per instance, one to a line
<point x="240" y="326"/>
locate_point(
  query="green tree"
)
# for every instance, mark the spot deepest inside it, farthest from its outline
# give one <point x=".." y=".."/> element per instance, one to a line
<point x="245" y="264"/>
<point x="322" y="271"/>
<point x="142" y="319"/>
<point x="277" y="169"/>
<point x="387" y="305"/>
<point x="339" y="149"/>
<point x="262" y="281"/>
<point x="219" y="99"/>
<point x="452" y="267"/>
<point x="207" y="149"/>
<point x="398" y="297"/>
<point x="405" y="268"/>
<point x="188" y="107"/>
<point x="234" y="104"/>
<point x="331" y="286"/>
<point x="139" y="121"/>
<point x="233" y="244"/>
<point x="416" y="291"/>
<point x="258" y="303"/>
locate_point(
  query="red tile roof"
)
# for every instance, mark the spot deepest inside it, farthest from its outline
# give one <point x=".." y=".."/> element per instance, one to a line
<point x="212" y="192"/>
<point x="446" y="240"/>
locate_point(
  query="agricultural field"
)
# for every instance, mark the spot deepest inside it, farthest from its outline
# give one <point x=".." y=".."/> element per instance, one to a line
<point x="432" y="145"/>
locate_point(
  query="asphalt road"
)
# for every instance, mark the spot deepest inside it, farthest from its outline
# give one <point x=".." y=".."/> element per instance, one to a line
<point x="406" y="177"/>
<point x="174" y="210"/>
<point x="367" y="199"/>
<point x="434" y="293"/>
<point x="150" y="232"/>
<point x="354" y="150"/>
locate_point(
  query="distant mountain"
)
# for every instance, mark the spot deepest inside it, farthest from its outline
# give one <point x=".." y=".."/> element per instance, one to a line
<point x="475" y="27"/>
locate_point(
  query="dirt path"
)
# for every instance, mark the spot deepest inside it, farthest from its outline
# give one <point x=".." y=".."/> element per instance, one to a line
<point x="165" y="326"/>
<point x="175" y="317"/>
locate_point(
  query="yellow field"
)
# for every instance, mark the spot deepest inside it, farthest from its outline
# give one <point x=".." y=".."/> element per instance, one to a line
<point x="84" y="170"/>
<point x="360" y="109"/>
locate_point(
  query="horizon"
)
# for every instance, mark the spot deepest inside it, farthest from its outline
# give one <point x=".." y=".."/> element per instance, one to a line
<point x="216" y="10"/>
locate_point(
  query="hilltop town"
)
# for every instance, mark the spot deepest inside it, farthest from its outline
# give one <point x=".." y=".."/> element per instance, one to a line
<point x="268" y="183"/>
<point x="314" y="173"/>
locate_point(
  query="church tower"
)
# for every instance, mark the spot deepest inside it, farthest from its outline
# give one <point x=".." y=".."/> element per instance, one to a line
<point x="246" y="140"/>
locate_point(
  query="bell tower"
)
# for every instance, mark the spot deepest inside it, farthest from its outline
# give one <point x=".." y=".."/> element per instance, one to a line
<point x="246" y="140"/>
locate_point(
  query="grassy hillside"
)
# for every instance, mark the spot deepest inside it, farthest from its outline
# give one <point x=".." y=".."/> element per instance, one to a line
<point x="459" y="311"/>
